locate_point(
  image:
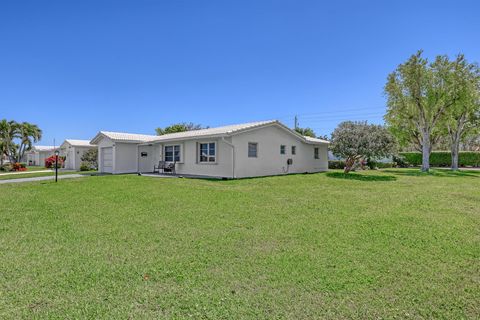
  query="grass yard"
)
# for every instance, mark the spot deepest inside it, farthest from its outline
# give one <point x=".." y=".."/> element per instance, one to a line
<point x="391" y="244"/>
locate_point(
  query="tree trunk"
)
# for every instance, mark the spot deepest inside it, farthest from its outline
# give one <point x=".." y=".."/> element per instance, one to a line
<point x="349" y="162"/>
<point x="455" y="149"/>
<point x="455" y="158"/>
<point x="426" y="151"/>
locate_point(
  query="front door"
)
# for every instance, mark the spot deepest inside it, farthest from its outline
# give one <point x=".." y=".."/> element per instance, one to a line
<point x="145" y="158"/>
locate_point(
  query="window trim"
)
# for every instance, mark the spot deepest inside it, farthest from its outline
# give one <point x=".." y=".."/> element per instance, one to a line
<point x="199" y="150"/>
<point x="316" y="153"/>
<point x="179" y="152"/>
<point x="256" y="149"/>
<point x="283" y="148"/>
<point x="293" y="150"/>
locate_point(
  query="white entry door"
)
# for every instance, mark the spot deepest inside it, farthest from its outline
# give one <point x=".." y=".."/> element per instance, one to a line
<point x="107" y="160"/>
<point x="145" y="158"/>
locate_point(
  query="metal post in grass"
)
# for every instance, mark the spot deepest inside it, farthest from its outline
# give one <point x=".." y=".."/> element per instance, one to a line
<point x="56" y="165"/>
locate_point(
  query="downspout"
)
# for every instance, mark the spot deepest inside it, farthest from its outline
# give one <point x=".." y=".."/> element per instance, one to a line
<point x="233" y="156"/>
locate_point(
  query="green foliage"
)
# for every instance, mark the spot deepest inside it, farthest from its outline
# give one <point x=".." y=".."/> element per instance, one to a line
<point x="444" y="158"/>
<point x="354" y="141"/>
<point x="7" y="167"/>
<point x="306" y="132"/>
<point x="90" y="158"/>
<point x="336" y="164"/>
<point x="420" y="96"/>
<point x="400" y="161"/>
<point x="85" y="166"/>
<point x="11" y="132"/>
<point x="178" y="127"/>
<point x="287" y="247"/>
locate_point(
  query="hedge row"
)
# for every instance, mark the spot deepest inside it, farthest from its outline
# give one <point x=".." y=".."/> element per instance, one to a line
<point x="444" y="158"/>
<point x="340" y="164"/>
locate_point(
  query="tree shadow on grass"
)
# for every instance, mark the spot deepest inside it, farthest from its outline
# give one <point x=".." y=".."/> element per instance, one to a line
<point x="433" y="173"/>
<point x="360" y="177"/>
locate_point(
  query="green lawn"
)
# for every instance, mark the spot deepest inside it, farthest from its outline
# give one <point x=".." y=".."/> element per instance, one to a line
<point x="35" y="168"/>
<point x="391" y="244"/>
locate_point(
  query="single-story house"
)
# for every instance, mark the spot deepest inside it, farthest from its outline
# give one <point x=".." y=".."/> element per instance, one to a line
<point x="37" y="155"/>
<point x="73" y="151"/>
<point x="235" y="151"/>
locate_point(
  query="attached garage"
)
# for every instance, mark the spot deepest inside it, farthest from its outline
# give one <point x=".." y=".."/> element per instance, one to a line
<point x="107" y="159"/>
<point x="118" y="152"/>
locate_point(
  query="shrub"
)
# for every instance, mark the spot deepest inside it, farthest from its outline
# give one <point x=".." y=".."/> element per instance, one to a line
<point x="50" y="162"/>
<point x="7" y="167"/>
<point x="383" y="165"/>
<point x="18" y="167"/>
<point x="90" y="157"/>
<point x="400" y="161"/>
<point x="444" y="158"/>
<point x="85" y="166"/>
<point x="336" y="164"/>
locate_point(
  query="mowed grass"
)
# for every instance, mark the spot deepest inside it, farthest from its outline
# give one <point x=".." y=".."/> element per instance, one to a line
<point x="391" y="244"/>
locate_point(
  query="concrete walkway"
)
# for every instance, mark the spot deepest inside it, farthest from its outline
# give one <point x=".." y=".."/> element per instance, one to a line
<point x="24" y="172"/>
<point x="65" y="176"/>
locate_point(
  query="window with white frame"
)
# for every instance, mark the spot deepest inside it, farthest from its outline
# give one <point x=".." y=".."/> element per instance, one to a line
<point x="172" y="153"/>
<point x="207" y="152"/>
<point x="316" y="154"/>
<point x="294" y="149"/>
<point x="252" y="149"/>
<point x="282" y="149"/>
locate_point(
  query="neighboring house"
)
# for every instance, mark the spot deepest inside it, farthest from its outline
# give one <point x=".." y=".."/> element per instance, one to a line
<point x="37" y="155"/>
<point x="235" y="151"/>
<point x="73" y="150"/>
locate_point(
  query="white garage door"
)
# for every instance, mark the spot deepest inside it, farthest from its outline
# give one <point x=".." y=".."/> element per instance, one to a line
<point x="107" y="159"/>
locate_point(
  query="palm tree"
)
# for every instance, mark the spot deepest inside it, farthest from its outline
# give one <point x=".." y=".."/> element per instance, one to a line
<point x="8" y="132"/>
<point x="28" y="134"/>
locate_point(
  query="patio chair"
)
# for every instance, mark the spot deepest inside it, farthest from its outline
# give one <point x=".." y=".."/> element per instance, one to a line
<point x="161" y="166"/>
<point x="170" y="167"/>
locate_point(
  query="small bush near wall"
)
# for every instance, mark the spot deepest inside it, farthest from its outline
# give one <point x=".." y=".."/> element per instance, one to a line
<point x="336" y="164"/>
<point x="444" y="158"/>
<point x="85" y="166"/>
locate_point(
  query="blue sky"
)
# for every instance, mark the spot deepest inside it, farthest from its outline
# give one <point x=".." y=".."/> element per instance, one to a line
<point x="77" y="67"/>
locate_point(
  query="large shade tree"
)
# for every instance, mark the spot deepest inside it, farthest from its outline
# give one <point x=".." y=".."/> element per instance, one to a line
<point x="463" y="118"/>
<point x="354" y="141"/>
<point x="419" y="93"/>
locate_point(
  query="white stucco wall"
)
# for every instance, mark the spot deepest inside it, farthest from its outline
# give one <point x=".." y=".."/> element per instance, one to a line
<point x="189" y="158"/>
<point x="125" y="157"/>
<point x="269" y="161"/>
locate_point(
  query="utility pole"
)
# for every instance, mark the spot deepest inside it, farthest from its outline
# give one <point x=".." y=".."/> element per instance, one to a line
<point x="296" y="122"/>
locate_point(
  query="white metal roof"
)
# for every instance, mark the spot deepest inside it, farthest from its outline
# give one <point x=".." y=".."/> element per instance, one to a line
<point x="224" y="130"/>
<point x="122" y="136"/>
<point x="43" y="148"/>
<point x="218" y="131"/>
<point x="79" y="143"/>
<point x="315" y="140"/>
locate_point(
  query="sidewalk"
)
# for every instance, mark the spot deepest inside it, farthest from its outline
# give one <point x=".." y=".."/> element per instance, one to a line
<point x="25" y="172"/>
<point x="65" y="176"/>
